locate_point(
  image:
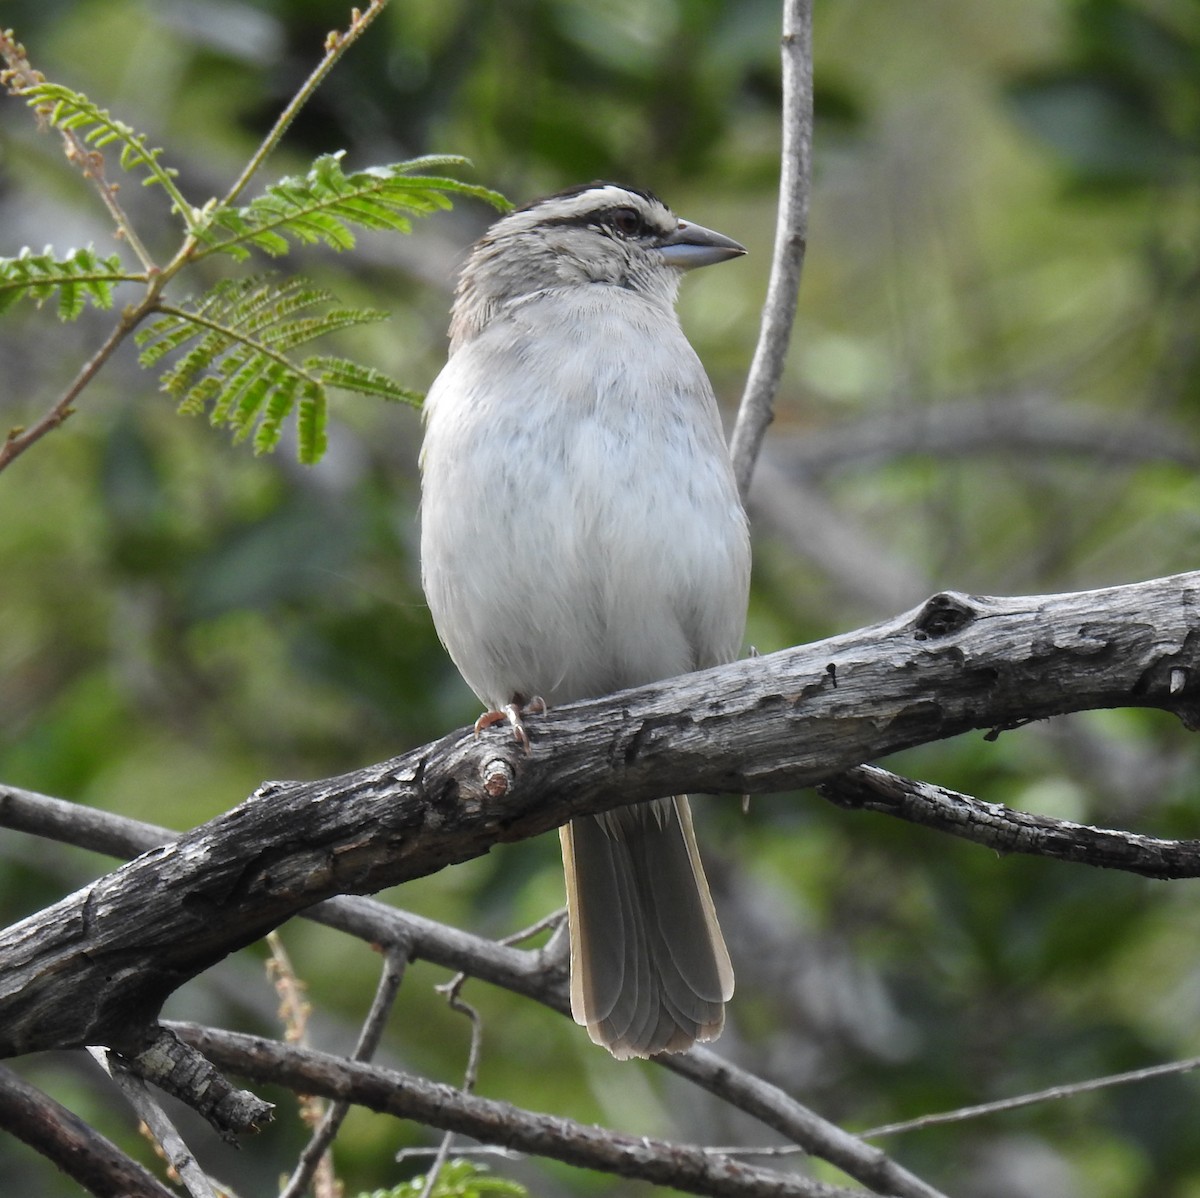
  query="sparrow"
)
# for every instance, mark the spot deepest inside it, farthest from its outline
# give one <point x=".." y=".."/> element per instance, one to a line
<point x="581" y="532"/>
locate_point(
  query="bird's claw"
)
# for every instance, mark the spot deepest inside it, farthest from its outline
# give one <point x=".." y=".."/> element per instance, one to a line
<point x="514" y="713"/>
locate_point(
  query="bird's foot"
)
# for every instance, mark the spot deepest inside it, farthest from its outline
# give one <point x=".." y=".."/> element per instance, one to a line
<point x="515" y="713"/>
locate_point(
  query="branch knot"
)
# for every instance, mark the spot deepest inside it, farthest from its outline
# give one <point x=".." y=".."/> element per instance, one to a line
<point x="498" y="775"/>
<point x="943" y="614"/>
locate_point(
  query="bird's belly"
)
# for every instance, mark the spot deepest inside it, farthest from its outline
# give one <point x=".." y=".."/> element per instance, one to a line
<point x="615" y="559"/>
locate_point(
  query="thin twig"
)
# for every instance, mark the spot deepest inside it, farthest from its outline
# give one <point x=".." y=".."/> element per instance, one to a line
<point x="91" y="162"/>
<point x="19" y="77"/>
<point x="1051" y="1094"/>
<point x="791" y="239"/>
<point x="468" y="1150"/>
<point x="682" y="1166"/>
<point x="553" y="920"/>
<point x="520" y="972"/>
<point x="763" y="1150"/>
<point x="175" y="1151"/>
<point x="451" y="990"/>
<point x="1006" y="830"/>
<point x="777" y="1109"/>
<point x="75" y="1148"/>
<point x="20" y="439"/>
<point x="395" y="961"/>
<point x="336" y="44"/>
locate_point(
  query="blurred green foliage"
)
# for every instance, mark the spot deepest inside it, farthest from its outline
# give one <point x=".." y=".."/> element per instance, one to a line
<point x="456" y="1179"/>
<point x="1004" y="250"/>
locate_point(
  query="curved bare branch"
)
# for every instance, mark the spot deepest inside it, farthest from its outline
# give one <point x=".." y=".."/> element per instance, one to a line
<point x="681" y="1166"/>
<point x="791" y="240"/>
<point x="538" y="975"/>
<point x="91" y="969"/>
<point x="78" y="1150"/>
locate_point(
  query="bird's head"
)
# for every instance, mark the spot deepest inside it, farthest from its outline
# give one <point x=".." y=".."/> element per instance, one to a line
<point x="597" y="233"/>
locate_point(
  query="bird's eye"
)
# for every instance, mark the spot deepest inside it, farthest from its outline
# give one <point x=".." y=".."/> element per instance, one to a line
<point x="627" y="222"/>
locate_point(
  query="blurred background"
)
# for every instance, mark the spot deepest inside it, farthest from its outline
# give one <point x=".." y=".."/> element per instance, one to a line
<point x="994" y="387"/>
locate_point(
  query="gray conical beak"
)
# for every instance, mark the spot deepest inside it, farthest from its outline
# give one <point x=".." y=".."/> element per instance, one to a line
<point x="694" y="245"/>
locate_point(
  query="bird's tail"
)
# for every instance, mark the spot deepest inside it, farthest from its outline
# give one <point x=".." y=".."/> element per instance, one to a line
<point x="649" y="968"/>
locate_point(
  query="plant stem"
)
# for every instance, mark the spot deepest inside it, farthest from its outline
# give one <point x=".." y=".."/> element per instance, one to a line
<point x="336" y="44"/>
<point x="791" y="238"/>
<point x="20" y="439"/>
<point x="18" y="78"/>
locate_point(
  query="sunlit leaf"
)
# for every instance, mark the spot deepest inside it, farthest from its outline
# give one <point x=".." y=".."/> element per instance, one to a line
<point x="82" y="277"/>
<point x="325" y="205"/>
<point x="232" y="350"/>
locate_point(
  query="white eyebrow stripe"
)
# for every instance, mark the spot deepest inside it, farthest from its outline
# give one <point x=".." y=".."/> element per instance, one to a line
<point x="587" y="203"/>
<point x="609" y="196"/>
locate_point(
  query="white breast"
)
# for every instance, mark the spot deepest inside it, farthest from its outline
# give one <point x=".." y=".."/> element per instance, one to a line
<point x="581" y="530"/>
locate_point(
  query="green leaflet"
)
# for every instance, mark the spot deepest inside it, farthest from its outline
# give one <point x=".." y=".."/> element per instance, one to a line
<point x="323" y="205"/>
<point x="363" y="380"/>
<point x="72" y="111"/>
<point x="457" y="1179"/>
<point x="232" y="359"/>
<point x="231" y="352"/>
<point x="82" y="277"/>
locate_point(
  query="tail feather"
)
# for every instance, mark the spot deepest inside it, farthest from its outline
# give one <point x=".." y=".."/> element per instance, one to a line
<point x="649" y="968"/>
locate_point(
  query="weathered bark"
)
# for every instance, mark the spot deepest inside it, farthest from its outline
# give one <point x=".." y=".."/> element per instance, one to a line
<point x="96" y="967"/>
<point x="680" y="1166"/>
<point x="82" y="1153"/>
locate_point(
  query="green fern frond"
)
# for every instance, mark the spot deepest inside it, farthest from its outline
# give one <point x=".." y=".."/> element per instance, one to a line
<point x="80" y="278"/>
<point x="312" y="418"/>
<point x="234" y="345"/>
<point x="325" y="204"/>
<point x="456" y="1179"/>
<point x="71" y="110"/>
<point x="292" y="333"/>
<point x="362" y="380"/>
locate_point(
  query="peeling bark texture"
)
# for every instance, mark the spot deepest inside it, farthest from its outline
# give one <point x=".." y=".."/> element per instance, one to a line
<point x="96" y="967"/>
<point x="177" y="1068"/>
